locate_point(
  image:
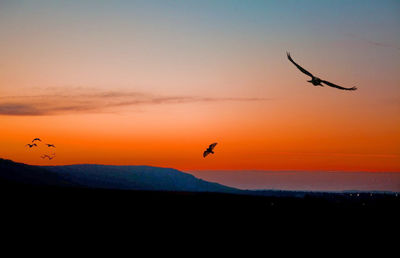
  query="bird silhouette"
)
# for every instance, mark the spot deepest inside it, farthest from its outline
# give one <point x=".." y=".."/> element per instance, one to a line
<point x="36" y="139"/>
<point x="209" y="149"/>
<point x="47" y="156"/>
<point x="31" y="145"/>
<point x="315" y="80"/>
<point x="50" y="145"/>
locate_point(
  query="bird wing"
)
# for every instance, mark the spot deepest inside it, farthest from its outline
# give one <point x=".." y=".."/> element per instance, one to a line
<point x="337" y="86"/>
<point x="205" y="153"/>
<point x="212" y="146"/>
<point x="298" y="66"/>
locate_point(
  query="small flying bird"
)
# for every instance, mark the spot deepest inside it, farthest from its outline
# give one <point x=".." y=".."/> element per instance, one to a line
<point x="315" y="80"/>
<point x="47" y="156"/>
<point x="50" y="145"/>
<point x="209" y="149"/>
<point x="31" y="145"/>
<point x="36" y="139"/>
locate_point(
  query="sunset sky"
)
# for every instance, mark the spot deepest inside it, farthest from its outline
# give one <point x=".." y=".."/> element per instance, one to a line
<point x="155" y="82"/>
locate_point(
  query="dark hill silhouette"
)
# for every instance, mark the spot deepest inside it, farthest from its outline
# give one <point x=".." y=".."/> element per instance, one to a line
<point x="136" y="178"/>
<point x="107" y="177"/>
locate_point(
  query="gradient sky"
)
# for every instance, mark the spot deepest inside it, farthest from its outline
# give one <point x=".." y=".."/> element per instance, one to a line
<point x="155" y="82"/>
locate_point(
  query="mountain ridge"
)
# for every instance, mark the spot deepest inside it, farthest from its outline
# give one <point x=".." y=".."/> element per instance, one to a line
<point x="126" y="177"/>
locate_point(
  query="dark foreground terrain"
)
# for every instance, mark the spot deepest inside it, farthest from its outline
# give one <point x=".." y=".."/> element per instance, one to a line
<point x="31" y="198"/>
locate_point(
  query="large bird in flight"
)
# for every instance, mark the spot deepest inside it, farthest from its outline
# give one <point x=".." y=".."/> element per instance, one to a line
<point x="209" y="149"/>
<point x="315" y="80"/>
<point x="50" y="145"/>
<point x="31" y="145"/>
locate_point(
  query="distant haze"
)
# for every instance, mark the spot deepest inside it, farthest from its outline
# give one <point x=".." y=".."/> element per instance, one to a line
<point x="301" y="180"/>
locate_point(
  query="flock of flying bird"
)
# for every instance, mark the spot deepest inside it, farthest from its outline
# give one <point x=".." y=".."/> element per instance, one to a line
<point x="210" y="150"/>
<point x="49" y="145"/>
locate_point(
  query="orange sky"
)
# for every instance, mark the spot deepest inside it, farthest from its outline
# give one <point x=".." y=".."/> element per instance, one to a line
<point x="106" y="86"/>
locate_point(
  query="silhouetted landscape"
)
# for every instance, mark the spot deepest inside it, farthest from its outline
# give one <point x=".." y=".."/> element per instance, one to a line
<point x="121" y="107"/>
<point x="136" y="187"/>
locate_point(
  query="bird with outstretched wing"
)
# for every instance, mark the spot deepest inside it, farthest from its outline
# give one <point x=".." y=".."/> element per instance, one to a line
<point x="209" y="149"/>
<point x="315" y="80"/>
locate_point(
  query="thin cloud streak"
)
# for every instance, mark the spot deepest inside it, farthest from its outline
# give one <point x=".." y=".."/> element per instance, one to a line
<point x="55" y="104"/>
<point x="373" y="155"/>
<point x="380" y="44"/>
<point x="371" y="42"/>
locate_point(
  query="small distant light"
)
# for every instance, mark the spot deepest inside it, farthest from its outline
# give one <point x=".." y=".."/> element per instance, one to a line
<point x="370" y="194"/>
<point x="358" y="194"/>
<point x="351" y="194"/>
